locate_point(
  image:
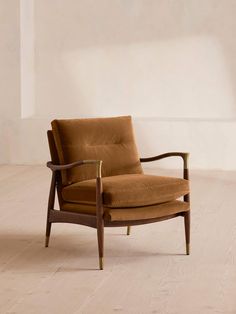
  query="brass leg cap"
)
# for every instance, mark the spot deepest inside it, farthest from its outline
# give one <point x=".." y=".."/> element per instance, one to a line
<point x="46" y="241"/>
<point x="188" y="249"/>
<point x="101" y="263"/>
<point x="128" y="230"/>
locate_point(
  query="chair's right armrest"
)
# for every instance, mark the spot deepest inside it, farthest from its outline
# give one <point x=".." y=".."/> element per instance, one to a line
<point x="183" y="155"/>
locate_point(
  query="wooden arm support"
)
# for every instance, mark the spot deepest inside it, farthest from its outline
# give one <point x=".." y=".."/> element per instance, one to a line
<point x="184" y="156"/>
<point x="98" y="163"/>
<point x="99" y="200"/>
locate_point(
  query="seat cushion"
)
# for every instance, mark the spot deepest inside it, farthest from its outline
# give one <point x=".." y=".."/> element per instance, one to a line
<point x="108" y="139"/>
<point x="131" y="213"/>
<point x="128" y="190"/>
<point x="145" y="212"/>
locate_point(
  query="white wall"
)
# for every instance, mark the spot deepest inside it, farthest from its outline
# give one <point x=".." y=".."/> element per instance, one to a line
<point x="148" y="58"/>
<point x="9" y="70"/>
<point x="170" y="64"/>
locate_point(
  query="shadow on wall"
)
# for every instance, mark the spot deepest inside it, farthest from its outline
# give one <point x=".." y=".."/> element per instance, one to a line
<point x="155" y="58"/>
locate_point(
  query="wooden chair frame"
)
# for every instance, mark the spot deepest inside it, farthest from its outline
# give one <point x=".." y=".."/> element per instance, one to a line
<point x="97" y="221"/>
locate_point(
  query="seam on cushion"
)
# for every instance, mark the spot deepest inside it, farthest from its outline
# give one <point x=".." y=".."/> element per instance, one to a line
<point x="176" y="201"/>
<point x="153" y="211"/>
<point x="141" y="188"/>
<point x="109" y="194"/>
<point x="122" y="190"/>
<point x="175" y="195"/>
<point x="145" y="187"/>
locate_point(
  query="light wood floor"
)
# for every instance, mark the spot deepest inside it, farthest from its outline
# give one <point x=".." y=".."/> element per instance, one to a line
<point x="146" y="272"/>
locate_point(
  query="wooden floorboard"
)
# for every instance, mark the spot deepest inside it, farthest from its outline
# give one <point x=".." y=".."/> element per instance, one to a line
<point x="146" y="272"/>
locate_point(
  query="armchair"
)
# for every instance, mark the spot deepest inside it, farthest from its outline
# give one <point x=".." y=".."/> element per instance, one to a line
<point x="109" y="190"/>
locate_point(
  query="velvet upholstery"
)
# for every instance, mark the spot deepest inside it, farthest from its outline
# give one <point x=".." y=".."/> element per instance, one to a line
<point x="108" y="139"/>
<point x="129" y="190"/>
<point x="146" y="212"/>
<point x="131" y="213"/>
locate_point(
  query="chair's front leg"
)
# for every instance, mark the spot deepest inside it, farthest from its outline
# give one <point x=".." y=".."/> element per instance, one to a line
<point x="51" y="201"/>
<point x="187" y="214"/>
<point x="187" y="231"/>
<point x="187" y="225"/>
<point x="99" y="212"/>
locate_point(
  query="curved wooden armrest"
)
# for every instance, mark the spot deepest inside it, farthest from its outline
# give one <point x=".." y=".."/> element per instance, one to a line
<point x="98" y="163"/>
<point x="171" y="154"/>
<point x="184" y="156"/>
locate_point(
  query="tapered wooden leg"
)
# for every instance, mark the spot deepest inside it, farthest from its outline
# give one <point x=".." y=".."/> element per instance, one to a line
<point x="51" y="201"/>
<point x="99" y="212"/>
<point x="187" y="231"/>
<point x="100" y="235"/>
<point x="128" y="230"/>
<point x="48" y="231"/>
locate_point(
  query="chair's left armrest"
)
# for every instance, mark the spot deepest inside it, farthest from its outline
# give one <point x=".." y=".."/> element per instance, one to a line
<point x="98" y="163"/>
<point x="183" y="155"/>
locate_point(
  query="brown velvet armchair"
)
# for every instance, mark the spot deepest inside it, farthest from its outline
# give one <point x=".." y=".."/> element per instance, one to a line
<point x="99" y="180"/>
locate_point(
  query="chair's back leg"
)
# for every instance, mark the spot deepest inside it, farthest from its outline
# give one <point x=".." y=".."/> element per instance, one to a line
<point x="128" y="230"/>
<point x="51" y="201"/>
<point x="48" y="232"/>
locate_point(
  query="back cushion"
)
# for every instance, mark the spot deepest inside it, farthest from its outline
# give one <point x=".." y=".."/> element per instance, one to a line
<point x="108" y="139"/>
